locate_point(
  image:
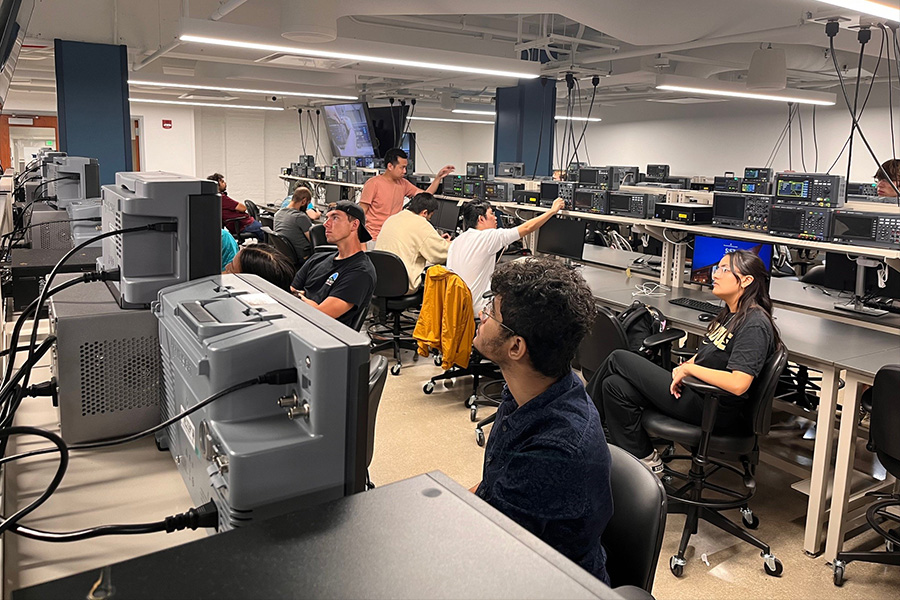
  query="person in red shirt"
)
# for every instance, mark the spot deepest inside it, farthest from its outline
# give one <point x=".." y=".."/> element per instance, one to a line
<point x="382" y="196"/>
<point x="234" y="214"/>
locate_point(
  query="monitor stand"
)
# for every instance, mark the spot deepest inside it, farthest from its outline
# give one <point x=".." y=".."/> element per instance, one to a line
<point x="856" y="305"/>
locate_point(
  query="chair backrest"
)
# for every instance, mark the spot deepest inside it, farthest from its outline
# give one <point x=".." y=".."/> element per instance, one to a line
<point x="606" y="335"/>
<point x="634" y="535"/>
<point x="317" y="235"/>
<point x="282" y="244"/>
<point x="885" y="418"/>
<point x="252" y="209"/>
<point x="377" y="377"/>
<point x="267" y="221"/>
<point x="392" y="279"/>
<point x="361" y="316"/>
<point x="815" y="275"/>
<point x="762" y="392"/>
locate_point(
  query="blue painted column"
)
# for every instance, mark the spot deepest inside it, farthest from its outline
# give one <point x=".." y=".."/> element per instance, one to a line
<point x="92" y="104"/>
<point x="524" y="128"/>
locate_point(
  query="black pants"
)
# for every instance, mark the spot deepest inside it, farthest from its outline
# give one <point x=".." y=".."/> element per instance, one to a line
<point x="629" y="383"/>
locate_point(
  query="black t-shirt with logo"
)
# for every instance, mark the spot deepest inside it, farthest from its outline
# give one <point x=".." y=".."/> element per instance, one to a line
<point x="744" y="350"/>
<point x="351" y="279"/>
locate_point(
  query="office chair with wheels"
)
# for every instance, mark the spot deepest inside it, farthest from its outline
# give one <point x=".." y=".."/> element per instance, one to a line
<point x="884" y="423"/>
<point x="706" y="446"/>
<point x="233" y="227"/>
<point x="318" y="240"/>
<point x="283" y="245"/>
<point x="377" y="378"/>
<point x="252" y="209"/>
<point x="610" y="332"/>
<point x="390" y="300"/>
<point x="634" y="535"/>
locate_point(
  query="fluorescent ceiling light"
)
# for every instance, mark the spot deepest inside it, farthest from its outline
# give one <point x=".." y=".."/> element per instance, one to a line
<point x="869" y="7"/>
<point x="187" y="86"/>
<point x="692" y="85"/>
<point x="244" y="106"/>
<point x="464" y="111"/>
<point x="449" y="120"/>
<point x="355" y="57"/>
<point x="588" y="119"/>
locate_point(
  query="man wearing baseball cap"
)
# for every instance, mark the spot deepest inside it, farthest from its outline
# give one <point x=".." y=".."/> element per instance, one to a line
<point x="340" y="284"/>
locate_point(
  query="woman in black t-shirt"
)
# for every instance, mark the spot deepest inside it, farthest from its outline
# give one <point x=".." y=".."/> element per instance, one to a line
<point x="737" y="344"/>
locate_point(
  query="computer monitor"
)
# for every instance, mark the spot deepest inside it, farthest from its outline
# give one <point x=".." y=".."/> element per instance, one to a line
<point x="447" y="216"/>
<point x="840" y="274"/>
<point x="562" y="237"/>
<point x="408" y="145"/>
<point x="388" y="123"/>
<point x="708" y="251"/>
<point x="348" y="129"/>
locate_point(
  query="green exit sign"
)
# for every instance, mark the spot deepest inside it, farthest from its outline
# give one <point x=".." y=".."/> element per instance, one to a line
<point x="49" y="143"/>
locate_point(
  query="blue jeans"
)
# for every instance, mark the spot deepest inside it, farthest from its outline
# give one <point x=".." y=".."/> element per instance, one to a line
<point x="256" y="229"/>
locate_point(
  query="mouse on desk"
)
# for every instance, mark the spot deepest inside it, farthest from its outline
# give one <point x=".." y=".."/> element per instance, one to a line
<point x="705" y="316"/>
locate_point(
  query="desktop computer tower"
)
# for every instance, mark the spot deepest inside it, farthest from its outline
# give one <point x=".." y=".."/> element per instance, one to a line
<point x="106" y="364"/>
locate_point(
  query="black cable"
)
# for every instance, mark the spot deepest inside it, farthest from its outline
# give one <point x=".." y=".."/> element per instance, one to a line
<point x="595" y="81"/>
<point x="302" y="139"/>
<point x="409" y="116"/>
<point x="26" y="367"/>
<point x="790" y="136"/>
<point x="847" y="101"/>
<point x="318" y="112"/>
<point x="778" y="143"/>
<point x="815" y="139"/>
<point x="11" y="521"/>
<point x="862" y="48"/>
<point x="277" y="377"/>
<point x="800" y="127"/>
<point x="393" y="123"/>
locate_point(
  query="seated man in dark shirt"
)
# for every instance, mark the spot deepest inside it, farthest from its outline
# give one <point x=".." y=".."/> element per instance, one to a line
<point x="292" y="222"/>
<point x="234" y="214"/>
<point x="340" y="284"/>
<point x="546" y="463"/>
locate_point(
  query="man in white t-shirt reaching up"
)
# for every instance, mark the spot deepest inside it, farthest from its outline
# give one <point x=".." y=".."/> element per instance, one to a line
<point x="472" y="255"/>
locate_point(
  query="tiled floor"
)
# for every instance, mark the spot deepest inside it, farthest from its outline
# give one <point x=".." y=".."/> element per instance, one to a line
<point x="417" y="433"/>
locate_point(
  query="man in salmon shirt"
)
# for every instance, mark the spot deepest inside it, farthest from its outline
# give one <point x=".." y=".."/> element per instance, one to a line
<point x="382" y="196"/>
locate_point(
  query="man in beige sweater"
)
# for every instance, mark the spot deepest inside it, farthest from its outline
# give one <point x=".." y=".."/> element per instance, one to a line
<point x="410" y="235"/>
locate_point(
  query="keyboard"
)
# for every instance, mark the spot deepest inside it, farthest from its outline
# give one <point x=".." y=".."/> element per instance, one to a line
<point x="700" y="305"/>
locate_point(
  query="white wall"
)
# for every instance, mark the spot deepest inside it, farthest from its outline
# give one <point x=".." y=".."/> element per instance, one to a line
<point x="709" y="139"/>
<point x="172" y="149"/>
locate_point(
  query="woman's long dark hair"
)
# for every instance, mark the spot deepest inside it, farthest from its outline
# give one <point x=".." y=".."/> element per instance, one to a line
<point x="267" y="262"/>
<point x="755" y="296"/>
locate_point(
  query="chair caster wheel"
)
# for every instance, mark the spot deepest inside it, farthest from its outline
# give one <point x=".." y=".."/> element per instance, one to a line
<point x="395" y="370"/>
<point x="750" y="520"/>
<point x="890" y="546"/>
<point x="416" y="357"/>
<point x="479" y="437"/>
<point x="838" y="573"/>
<point x="470" y="401"/>
<point x="438" y="360"/>
<point x="428" y="387"/>
<point x="773" y="566"/>
<point x="473" y="414"/>
<point x="676" y="565"/>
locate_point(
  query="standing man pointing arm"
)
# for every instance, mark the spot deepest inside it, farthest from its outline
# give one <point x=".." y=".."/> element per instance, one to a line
<point x="382" y="196"/>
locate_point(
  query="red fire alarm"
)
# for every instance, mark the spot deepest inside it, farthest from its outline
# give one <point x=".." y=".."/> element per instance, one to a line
<point x="167" y="123"/>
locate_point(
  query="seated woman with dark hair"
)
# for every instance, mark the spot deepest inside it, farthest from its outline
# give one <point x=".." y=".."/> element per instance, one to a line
<point x="267" y="262"/>
<point x="737" y="344"/>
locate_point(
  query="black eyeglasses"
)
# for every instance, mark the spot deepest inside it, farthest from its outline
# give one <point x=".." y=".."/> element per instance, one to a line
<point x="488" y="311"/>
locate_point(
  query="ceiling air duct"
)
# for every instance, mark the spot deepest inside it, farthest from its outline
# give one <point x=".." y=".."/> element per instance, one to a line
<point x="310" y="21"/>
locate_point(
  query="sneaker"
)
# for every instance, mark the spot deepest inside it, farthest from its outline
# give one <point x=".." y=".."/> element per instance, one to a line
<point x="654" y="463"/>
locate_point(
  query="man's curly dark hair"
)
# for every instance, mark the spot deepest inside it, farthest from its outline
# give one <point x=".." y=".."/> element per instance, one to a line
<point x="549" y="305"/>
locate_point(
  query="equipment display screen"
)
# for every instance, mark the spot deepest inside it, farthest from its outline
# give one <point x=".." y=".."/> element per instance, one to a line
<point x="348" y="129"/>
<point x="590" y="176"/>
<point x="793" y="188"/>
<point x="582" y="200"/>
<point x="852" y="226"/>
<point x="785" y="220"/>
<point x="619" y="202"/>
<point x="728" y="207"/>
<point x="549" y="191"/>
<point x="563" y="237"/>
<point x="447" y="217"/>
